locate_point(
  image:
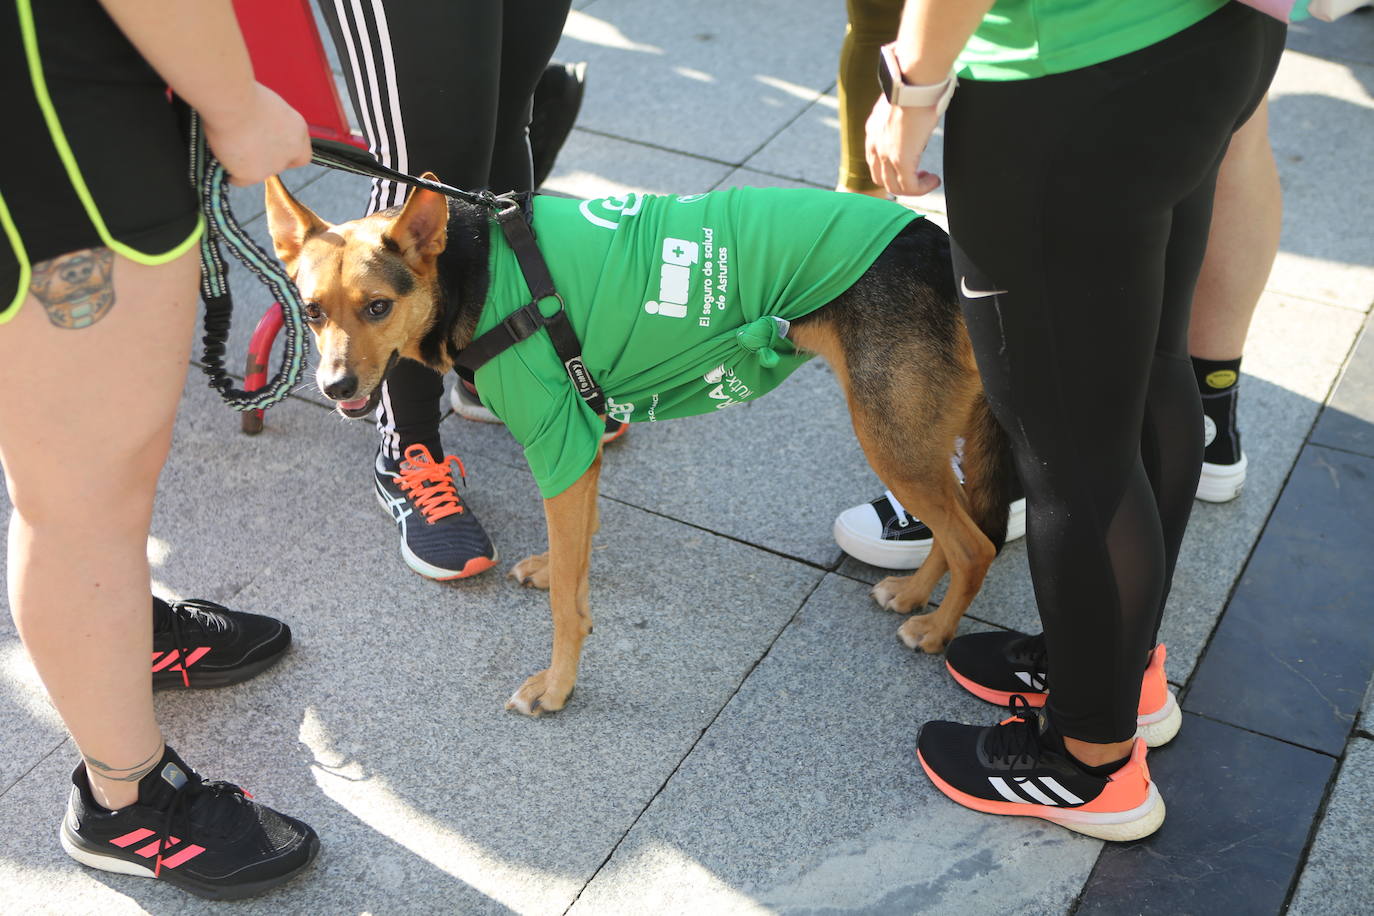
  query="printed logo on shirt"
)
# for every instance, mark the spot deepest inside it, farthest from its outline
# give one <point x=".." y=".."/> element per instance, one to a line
<point x="730" y="391"/>
<point x="607" y="211"/>
<point x="690" y="198"/>
<point x="674" y="278"/>
<point x="619" y="411"/>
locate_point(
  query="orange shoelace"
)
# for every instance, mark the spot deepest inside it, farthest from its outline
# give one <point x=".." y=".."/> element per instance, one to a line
<point x="429" y="483"/>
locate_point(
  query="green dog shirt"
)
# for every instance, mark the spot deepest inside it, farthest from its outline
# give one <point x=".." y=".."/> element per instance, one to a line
<point x="682" y="305"/>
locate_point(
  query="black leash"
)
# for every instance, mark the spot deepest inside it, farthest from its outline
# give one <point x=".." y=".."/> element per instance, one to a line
<point x="512" y="212"/>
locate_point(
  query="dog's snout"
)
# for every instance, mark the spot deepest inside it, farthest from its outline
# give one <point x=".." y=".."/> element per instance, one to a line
<point x="342" y="388"/>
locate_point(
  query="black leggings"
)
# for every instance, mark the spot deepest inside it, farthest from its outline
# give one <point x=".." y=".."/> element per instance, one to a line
<point x="1080" y="204"/>
<point x="449" y="92"/>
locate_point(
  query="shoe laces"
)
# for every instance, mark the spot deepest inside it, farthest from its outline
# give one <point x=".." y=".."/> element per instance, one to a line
<point x="206" y="616"/>
<point x="216" y="806"/>
<point x="1016" y="739"/>
<point x="429" y="484"/>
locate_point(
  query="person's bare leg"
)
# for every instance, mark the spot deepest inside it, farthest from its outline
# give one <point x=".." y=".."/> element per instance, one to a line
<point x="1247" y="213"/>
<point x="83" y="437"/>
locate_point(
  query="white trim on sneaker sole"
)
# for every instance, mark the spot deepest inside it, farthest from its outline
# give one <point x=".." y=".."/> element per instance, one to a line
<point x="906" y="554"/>
<point x="1221" y="483"/>
<point x="1117" y="826"/>
<point x="96" y="860"/>
<point x="416" y="564"/>
<point x="1159" y="727"/>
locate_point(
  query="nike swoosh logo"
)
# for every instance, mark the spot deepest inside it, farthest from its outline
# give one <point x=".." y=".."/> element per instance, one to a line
<point x="977" y="293"/>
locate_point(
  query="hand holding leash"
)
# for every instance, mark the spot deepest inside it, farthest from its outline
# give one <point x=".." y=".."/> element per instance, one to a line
<point x="266" y="138"/>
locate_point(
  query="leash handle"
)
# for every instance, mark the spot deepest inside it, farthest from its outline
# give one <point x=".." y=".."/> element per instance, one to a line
<point x="211" y="182"/>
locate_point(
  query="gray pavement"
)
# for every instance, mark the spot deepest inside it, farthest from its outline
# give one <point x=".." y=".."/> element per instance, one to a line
<point x="742" y="736"/>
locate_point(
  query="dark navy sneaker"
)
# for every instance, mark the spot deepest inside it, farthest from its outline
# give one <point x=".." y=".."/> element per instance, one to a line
<point x="557" y="100"/>
<point x="199" y="643"/>
<point x="206" y="837"/>
<point x="1021" y="767"/>
<point x="440" y="537"/>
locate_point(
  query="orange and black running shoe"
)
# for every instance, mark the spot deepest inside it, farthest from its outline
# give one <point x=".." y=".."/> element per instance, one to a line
<point x="995" y="666"/>
<point x="1021" y="767"/>
<point x="198" y="643"/>
<point x="440" y="537"/>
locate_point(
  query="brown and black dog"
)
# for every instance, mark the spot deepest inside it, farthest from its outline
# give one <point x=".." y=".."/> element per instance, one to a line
<point x="896" y="340"/>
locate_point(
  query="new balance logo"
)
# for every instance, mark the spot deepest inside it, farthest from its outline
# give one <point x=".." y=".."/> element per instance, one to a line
<point x="1027" y="790"/>
<point x="172" y="661"/>
<point x="178" y="857"/>
<point x="674" y="278"/>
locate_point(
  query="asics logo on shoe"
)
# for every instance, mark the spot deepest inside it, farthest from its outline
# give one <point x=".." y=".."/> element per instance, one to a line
<point x="1027" y="790"/>
<point x="977" y="293"/>
<point x="171" y="661"/>
<point x="398" y="506"/>
<point x="178" y="857"/>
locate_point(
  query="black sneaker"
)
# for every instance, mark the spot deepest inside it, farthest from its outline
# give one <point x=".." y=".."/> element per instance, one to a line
<point x="204" y="837"/>
<point x="440" y="537"/>
<point x="881" y="533"/>
<point x="557" y="99"/>
<point x="199" y="643"/>
<point x="1020" y="767"/>
<point x="998" y="666"/>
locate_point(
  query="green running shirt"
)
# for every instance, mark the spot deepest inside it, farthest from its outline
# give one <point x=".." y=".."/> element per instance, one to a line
<point x="1023" y="39"/>
<point x="681" y="303"/>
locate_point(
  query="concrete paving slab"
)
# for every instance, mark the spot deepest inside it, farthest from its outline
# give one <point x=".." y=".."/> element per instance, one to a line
<point x="827" y="810"/>
<point x="1294" y="654"/>
<point x="809" y="150"/>
<point x="385" y="727"/>
<point x="1321" y="113"/>
<point x="1348" y="420"/>
<point x="1336" y="878"/>
<point x="591" y="165"/>
<point x="29" y="726"/>
<point x="714" y="79"/>
<point x="1350" y="38"/>
<point x="1231" y="843"/>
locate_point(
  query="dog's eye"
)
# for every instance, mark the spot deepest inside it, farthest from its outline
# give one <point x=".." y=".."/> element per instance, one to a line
<point x="312" y="311"/>
<point x="378" y="307"/>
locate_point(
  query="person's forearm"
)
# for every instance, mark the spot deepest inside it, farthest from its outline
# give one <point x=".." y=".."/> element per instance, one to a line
<point x="932" y="34"/>
<point x="196" y="46"/>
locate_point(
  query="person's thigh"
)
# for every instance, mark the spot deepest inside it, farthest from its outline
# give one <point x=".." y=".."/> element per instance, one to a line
<point x="529" y="35"/>
<point x="91" y="409"/>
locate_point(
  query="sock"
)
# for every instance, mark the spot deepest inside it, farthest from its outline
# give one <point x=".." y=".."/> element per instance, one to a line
<point x="1217" y="382"/>
<point x="410" y="411"/>
<point x="1050" y="738"/>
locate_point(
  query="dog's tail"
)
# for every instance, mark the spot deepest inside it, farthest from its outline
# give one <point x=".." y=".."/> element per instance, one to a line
<point x="988" y="471"/>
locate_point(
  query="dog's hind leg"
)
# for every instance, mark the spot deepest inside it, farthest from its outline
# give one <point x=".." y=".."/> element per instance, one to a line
<point x="572" y="519"/>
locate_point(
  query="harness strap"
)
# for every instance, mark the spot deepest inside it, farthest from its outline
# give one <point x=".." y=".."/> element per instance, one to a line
<point x="526" y="321"/>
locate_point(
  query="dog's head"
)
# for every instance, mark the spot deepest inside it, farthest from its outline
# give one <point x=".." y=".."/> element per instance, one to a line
<point x="369" y="287"/>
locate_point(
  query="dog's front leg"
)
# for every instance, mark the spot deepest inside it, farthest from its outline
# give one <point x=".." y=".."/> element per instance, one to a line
<point x="572" y="519"/>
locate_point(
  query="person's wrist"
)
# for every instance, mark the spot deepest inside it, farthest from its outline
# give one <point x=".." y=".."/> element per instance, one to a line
<point x="902" y="90"/>
<point x="230" y="108"/>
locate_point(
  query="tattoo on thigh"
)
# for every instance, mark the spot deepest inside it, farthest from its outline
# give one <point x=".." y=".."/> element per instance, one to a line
<point x="125" y="774"/>
<point x="77" y="289"/>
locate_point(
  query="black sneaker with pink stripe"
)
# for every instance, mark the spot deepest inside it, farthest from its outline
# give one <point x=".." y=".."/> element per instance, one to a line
<point x="206" y="837"/>
<point x="198" y="643"/>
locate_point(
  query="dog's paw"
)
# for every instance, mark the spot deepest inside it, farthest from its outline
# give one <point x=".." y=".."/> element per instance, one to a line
<point x="926" y="633"/>
<point x="537" y="696"/>
<point x="532" y="572"/>
<point x="889" y="595"/>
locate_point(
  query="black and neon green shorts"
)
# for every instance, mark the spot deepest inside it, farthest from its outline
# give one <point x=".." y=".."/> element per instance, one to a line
<point x="93" y="154"/>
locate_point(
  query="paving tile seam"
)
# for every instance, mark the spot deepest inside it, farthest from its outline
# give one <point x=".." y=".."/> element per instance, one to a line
<point x="1341" y="449"/>
<point x="55" y="748"/>
<point x="701" y="734"/>
<point x="1317" y="300"/>
<point x="720" y="534"/>
<point x="1260" y="734"/>
<point x="777" y="133"/>
<point x="1317" y="818"/>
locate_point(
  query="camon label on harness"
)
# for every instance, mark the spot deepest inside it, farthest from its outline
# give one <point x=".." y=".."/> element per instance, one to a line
<point x="681" y="305"/>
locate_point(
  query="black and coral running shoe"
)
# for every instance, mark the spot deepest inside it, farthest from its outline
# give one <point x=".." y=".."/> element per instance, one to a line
<point x="440" y="537"/>
<point x="206" y="837"/>
<point x="557" y="100"/>
<point x="995" y="666"/>
<point x="1020" y="767"/>
<point x="199" y="643"/>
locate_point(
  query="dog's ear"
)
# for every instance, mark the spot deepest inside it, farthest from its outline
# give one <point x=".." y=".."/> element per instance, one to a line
<point x="420" y="232"/>
<point x="290" y="222"/>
